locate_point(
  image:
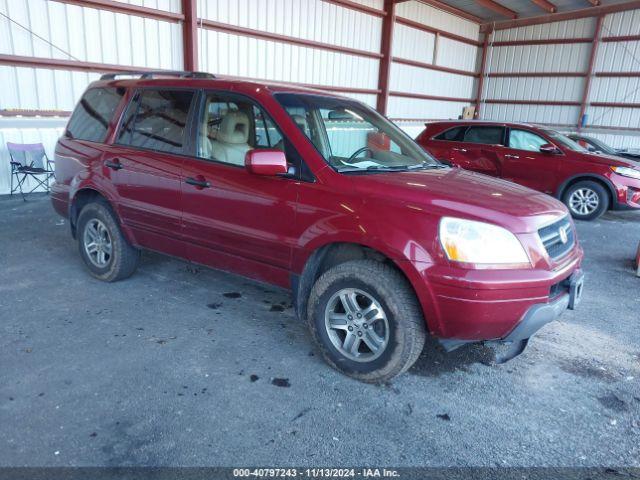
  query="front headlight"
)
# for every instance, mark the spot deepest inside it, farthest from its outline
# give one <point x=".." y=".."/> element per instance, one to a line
<point x="481" y="243"/>
<point x="627" y="172"/>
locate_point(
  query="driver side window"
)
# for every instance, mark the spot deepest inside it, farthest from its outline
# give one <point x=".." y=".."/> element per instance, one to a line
<point x="525" y="140"/>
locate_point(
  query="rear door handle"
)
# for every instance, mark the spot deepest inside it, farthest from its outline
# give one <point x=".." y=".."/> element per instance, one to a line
<point x="463" y="150"/>
<point x="113" y="165"/>
<point x="199" y="183"/>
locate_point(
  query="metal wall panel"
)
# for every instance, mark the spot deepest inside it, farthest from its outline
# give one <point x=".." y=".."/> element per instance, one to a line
<point x="237" y="55"/>
<point x="406" y="78"/>
<point x="406" y="108"/>
<point x="458" y="55"/>
<point x="529" y="88"/>
<point x="88" y="34"/>
<point x="531" y="113"/>
<point x="407" y="39"/>
<point x="539" y="58"/>
<point x="622" y="23"/>
<point x="581" y="28"/>
<point x="308" y="19"/>
<point x="427" y="15"/>
<point x="618" y="57"/>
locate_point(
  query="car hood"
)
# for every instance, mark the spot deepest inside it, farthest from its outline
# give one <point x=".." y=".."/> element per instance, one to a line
<point x="608" y="160"/>
<point x="465" y="194"/>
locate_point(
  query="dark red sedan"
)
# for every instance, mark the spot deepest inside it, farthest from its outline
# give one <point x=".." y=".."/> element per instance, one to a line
<point x="589" y="184"/>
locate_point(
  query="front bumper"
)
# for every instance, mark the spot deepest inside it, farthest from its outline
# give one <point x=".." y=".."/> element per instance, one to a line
<point x="537" y="316"/>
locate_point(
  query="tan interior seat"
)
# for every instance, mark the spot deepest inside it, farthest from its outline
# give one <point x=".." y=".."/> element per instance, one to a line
<point x="231" y="143"/>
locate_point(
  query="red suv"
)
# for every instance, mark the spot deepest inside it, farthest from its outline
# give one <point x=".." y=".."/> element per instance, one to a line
<point x="588" y="183"/>
<point x="319" y="194"/>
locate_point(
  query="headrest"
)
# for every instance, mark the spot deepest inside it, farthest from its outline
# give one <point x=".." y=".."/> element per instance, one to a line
<point x="234" y="128"/>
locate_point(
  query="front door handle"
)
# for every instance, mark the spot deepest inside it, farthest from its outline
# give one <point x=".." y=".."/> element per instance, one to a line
<point x="511" y="156"/>
<point x="199" y="182"/>
<point x="463" y="150"/>
<point x="113" y="165"/>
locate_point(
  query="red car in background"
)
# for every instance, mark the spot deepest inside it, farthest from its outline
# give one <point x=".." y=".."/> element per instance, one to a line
<point x="539" y="158"/>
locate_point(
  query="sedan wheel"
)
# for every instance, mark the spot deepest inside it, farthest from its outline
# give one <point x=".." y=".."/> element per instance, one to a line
<point x="97" y="243"/>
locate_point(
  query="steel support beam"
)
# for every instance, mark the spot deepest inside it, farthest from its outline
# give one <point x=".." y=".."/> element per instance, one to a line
<point x="129" y="9"/>
<point x="546" y="5"/>
<point x="386" y="44"/>
<point x="483" y="66"/>
<point x="190" y="34"/>
<point x="499" y="9"/>
<point x="590" y="69"/>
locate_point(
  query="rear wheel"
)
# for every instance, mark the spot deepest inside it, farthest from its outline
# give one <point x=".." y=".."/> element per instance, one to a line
<point x="105" y="251"/>
<point x="586" y="200"/>
<point x="366" y="320"/>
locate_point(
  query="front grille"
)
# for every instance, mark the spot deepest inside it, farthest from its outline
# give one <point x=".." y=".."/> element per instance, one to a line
<point x="552" y="237"/>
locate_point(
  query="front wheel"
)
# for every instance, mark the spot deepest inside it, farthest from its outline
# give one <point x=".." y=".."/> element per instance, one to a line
<point x="366" y="320"/>
<point x="586" y="200"/>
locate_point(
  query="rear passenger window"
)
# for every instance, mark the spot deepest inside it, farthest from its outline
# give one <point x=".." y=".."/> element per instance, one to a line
<point x="157" y="120"/>
<point x="485" y="135"/>
<point x="452" y="135"/>
<point x="90" y="119"/>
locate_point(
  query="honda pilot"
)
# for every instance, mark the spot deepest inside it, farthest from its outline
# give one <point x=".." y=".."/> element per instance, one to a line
<point x="379" y="243"/>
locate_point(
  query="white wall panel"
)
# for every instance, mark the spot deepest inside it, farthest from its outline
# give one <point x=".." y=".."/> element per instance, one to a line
<point x="531" y="113"/>
<point x="539" y="58"/>
<point x="614" y="117"/>
<point x="404" y="108"/>
<point x="458" y="55"/>
<point x="615" y="90"/>
<point x="430" y="16"/>
<point x="531" y="88"/>
<point x="237" y="55"/>
<point x="582" y="28"/>
<point x="618" y="57"/>
<point x="308" y="19"/>
<point x="413" y="44"/>
<point x="406" y="78"/>
<point x="622" y="23"/>
<point x="617" y="140"/>
<point x="41" y="89"/>
<point x="88" y="34"/>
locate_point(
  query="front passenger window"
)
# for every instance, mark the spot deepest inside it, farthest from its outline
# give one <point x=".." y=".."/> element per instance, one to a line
<point x="525" y="140"/>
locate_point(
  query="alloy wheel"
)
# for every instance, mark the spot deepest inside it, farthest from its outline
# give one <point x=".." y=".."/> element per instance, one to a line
<point x="97" y="243"/>
<point x="584" y="201"/>
<point x="357" y="325"/>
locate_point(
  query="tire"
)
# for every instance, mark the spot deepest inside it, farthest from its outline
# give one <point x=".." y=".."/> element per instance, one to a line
<point x="586" y="200"/>
<point x="97" y="220"/>
<point x="400" y="323"/>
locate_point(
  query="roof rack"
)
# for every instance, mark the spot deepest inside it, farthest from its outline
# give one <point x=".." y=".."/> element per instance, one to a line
<point x="160" y="73"/>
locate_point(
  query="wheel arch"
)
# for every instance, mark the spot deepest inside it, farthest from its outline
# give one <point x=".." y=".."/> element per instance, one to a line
<point x="334" y="253"/>
<point x="588" y="176"/>
<point x="82" y="197"/>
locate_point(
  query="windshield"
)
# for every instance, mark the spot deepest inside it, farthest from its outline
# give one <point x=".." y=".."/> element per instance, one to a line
<point x="565" y="141"/>
<point x="353" y="137"/>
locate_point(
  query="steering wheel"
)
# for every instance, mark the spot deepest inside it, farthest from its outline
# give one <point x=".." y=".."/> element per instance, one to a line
<point x="358" y="152"/>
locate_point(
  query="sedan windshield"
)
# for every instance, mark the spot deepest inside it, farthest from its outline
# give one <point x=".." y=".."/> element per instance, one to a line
<point x="565" y="141"/>
<point x="353" y="137"/>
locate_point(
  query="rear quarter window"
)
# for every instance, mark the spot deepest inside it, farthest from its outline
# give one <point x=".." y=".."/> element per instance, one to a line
<point x="91" y="117"/>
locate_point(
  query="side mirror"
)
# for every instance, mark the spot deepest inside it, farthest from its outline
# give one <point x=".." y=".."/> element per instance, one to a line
<point x="269" y="162"/>
<point x="549" y="149"/>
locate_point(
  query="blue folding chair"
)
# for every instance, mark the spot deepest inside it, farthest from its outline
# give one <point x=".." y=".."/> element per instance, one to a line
<point x="29" y="160"/>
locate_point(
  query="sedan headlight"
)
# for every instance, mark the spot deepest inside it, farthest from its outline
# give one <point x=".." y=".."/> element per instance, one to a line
<point x="627" y="172"/>
<point x="482" y="244"/>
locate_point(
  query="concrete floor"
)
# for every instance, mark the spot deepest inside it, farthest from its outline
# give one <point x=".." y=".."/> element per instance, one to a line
<point x="182" y="365"/>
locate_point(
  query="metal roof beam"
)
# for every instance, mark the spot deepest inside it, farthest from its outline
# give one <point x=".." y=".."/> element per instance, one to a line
<point x="546" y="5"/>
<point x="499" y="9"/>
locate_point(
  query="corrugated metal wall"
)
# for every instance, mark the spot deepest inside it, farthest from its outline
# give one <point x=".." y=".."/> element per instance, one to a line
<point x="611" y="56"/>
<point x="71" y="32"/>
<point x="412" y="44"/>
